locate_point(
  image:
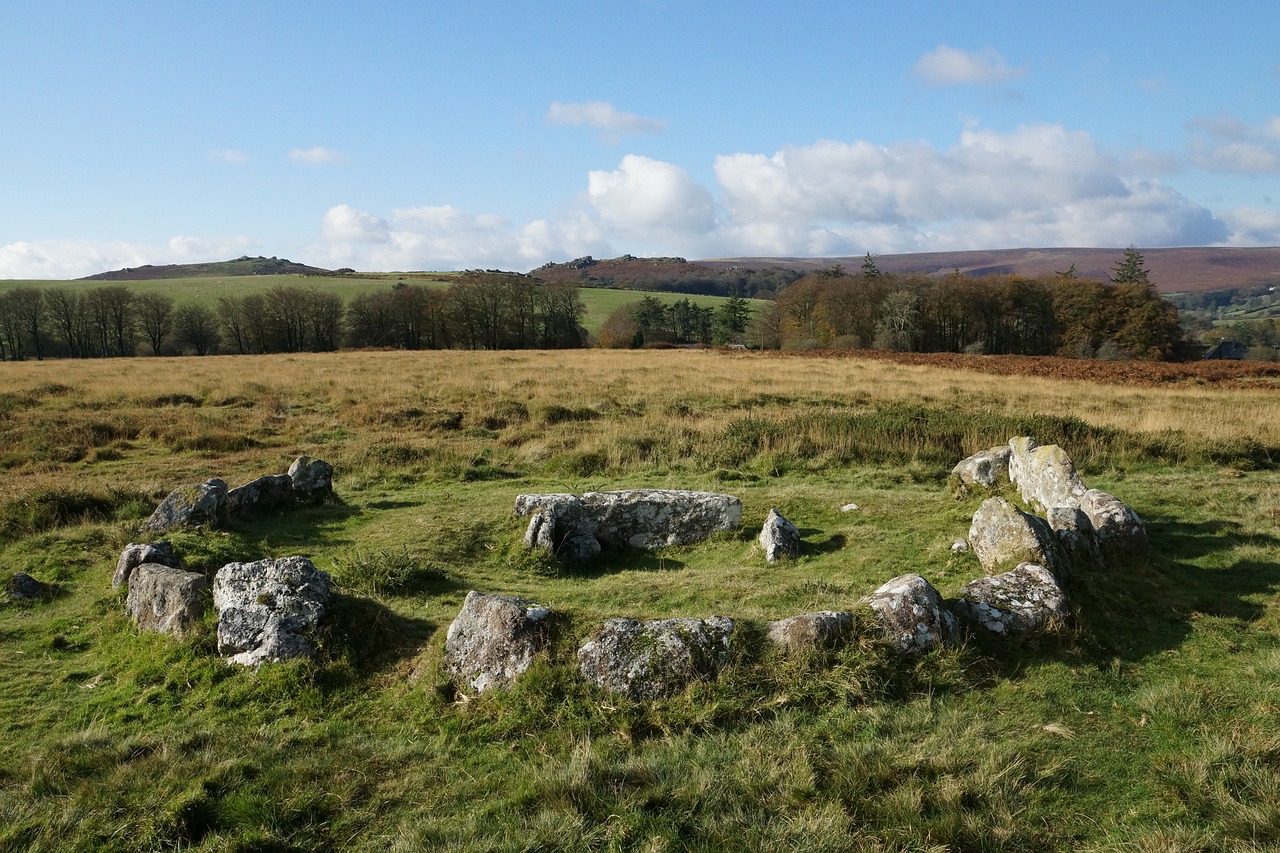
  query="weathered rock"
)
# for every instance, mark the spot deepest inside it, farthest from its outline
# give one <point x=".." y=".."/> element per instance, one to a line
<point x="494" y="640"/>
<point x="23" y="587"/>
<point x="960" y="546"/>
<point x="1076" y="537"/>
<point x="165" y="599"/>
<point x="911" y="614"/>
<point x="264" y="494"/>
<point x="779" y="538"/>
<point x="1121" y="533"/>
<point x="1025" y="599"/>
<point x="985" y="470"/>
<point x="312" y="479"/>
<point x="201" y="505"/>
<point x="1002" y="536"/>
<point x="559" y="525"/>
<point x="646" y="660"/>
<point x="268" y="609"/>
<point x="811" y="631"/>
<point x="655" y="518"/>
<point x="137" y="553"/>
<point x="1045" y="476"/>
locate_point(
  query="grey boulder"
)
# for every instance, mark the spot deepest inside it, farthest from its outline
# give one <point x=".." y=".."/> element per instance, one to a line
<point x="200" y="505"/>
<point x="137" y="553"/>
<point x="655" y="518"/>
<point x="1003" y="536"/>
<point x="165" y="599"/>
<point x="779" y="538"/>
<point x="1025" y="599"/>
<point x="1121" y="533"/>
<point x="494" y="640"/>
<point x="810" y="632"/>
<point x="911" y="615"/>
<point x="268" y="610"/>
<point x="1076" y="537"/>
<point x="273" y="491"/>
<point x="1045" y="476"/>
<point x="23" y="587"/>
<point x="312" y="479"/>
<point x="985" y="470"/>
<point x="558" y="525"/>
<point x="648" y="660"/>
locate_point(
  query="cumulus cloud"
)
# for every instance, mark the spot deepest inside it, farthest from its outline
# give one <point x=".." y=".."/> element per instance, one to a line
<point x="1252" y="226"/>
<point x="343" y="223"/>
<point x="1224" y="143"/>
<point x="229" y="155"/>
<point x="612" y="123"/>
<point x="69" y="259"/>
<point x="948" y="66"/>
<point x="645" y="198"/>
<point x="316" y="156"/>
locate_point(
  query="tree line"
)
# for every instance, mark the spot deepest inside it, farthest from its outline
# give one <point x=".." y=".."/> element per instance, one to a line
<point x="478" y="311"/>
<point x="1053" y="315"/>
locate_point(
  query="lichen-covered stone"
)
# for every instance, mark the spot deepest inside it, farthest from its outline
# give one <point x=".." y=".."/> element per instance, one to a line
<point x="911" y="614"/>
<point x="271" y="492"/>
<point x="137" y="553"/>
<point x="269" y="610"/>
<point x="558" y="525"/>
<point x="1044" y="476"/>
<point x="779" y="538"/>
<point x="1121" y="533"/>
<point x="200" y="505"/>
<point x="23" y="587"/>
<point x="1025" y="599"/>
<point x="1003" y="536"/>
<point x="1076" y="537"/>
<point x="165" y="599"/>
<point x="984" y="471"/>
<point x="648" y="660"/>
<point x="312" y="479"/>
<point x="810" y="632"/>
<point x="494" y="640"/>
<point x="656" y="518"/>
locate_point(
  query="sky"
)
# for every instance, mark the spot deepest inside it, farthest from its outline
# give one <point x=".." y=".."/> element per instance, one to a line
<point x="450" y="135"/>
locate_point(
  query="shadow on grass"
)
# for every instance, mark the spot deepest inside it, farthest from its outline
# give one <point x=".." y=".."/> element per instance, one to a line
<point x="369" y="635"/>
<point x="834" y="542"/>
<point x="299" y="526"/>
<point x="615" y="561"/>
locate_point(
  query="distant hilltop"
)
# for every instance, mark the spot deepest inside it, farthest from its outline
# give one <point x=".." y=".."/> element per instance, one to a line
<point x="243" y="265"/>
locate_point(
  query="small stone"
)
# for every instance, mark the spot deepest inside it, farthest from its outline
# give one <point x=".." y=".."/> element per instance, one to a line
<point x="960" y="546"/>
<point x="849" y="507"/>
<point x="312" y="479"/>
<point x="779" y="538"/>
<point x="811" y="631"/>
<point x="23" y="587"/>
<point x="494" y="640"/>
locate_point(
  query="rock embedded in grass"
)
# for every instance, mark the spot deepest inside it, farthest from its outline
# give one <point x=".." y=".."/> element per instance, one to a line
<point x="1003" y="536"/>
<point x="165" y="599"/>
<point x="269" y="609"/>
<point x="985" y="470"/>
<point x="649" y="660"/>
<point x="810" y="632"/>
<point x="1076" y="536"/>
<point x="494" y="639"/>
<point x="200" y="505"/>
<point x="1020" y="601"/>
<point x="23" y="587"/>
<point x="559" y="526"/>
<point x="137" y="553"/>
<point x="1120" y="532"/>
<point x="312" y="479"/>
<point x="779" y="538"/>
<point x="266" y="493"/>
<point x="911" y="614"/>
<point x="1044" y="475"/>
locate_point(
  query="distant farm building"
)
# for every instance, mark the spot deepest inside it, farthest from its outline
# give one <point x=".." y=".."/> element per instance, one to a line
<point x="1228" y="349"/>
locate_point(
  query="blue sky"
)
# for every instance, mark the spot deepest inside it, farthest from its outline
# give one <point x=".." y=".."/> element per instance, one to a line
<point x="453" y="135"/>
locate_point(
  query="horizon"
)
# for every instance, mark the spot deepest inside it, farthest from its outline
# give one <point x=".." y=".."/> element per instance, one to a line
<point x="448" y="138"/>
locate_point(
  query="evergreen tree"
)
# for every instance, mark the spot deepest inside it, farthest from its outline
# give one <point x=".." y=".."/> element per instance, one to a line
<point x="1130" y="269"/>
<point x="869" y="268"/>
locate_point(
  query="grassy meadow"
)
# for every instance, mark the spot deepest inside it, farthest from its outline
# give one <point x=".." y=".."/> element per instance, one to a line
<point x="1149" y="724"/>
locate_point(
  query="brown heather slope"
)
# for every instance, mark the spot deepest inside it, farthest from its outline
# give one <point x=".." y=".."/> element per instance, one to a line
<point x="1172" y="270"/>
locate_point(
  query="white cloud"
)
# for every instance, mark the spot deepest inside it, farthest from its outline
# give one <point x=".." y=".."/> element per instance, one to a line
<point x="947" y="66"/>
<point x="1224" y="143"/>
<point x="647" y="199"/>
<point x="69" y="259"/>
<point x="343" y="223"/>
<point x="612" y="123"/>
<point x="1252" y="226"/>
<point x="229" y="155"/>
<point x="315" y="156"/>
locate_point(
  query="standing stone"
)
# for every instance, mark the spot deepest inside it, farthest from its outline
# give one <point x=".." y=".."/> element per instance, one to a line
<point x="165" y="599"/>
<point x="985" y="471"/>
<point x="1121" y="533"/>
<point x="1045" y="476"/>
<point x="137" y="553"/>
<point x="655" y="518"/>
<point x="200" y="505"/>
<point x="1016" y="602"/>
<point x="273" y="491"/>
<point x="779" y="538"/>
<point x="911" y="615"/>
<point x="810" y="632"/>
<point x="268" y="610"/>
<point x="494" y="640"/>
<point x="647" y="660"/>
<point x="1002" y="536"/>
<point x="23" y="587"/>
<point x="1076" y="537"/>
<point x="312" y="479"/>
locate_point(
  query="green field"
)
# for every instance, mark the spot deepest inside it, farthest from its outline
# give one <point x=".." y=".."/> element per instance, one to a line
<point x="599" y="302"/>
<point x="1148" y="723"/>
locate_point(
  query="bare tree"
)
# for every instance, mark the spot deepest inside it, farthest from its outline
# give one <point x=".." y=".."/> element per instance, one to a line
<point x="155" y="316"/>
